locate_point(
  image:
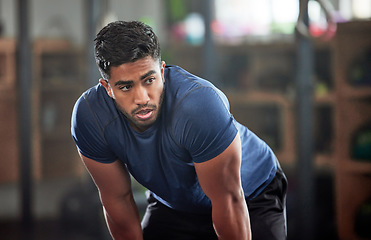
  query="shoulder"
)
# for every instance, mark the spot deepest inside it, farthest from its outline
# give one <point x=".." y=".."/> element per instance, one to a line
<point x="182" y="78"/>
<point x="201" y="121"/>
<point x="94" y="104"/>
<point x="191" y="98"/>
<point x="186" y="89"/>
<point x="91" y="115"/>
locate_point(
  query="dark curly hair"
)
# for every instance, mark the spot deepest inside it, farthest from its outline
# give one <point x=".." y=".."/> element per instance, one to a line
<point x="122" y="42"/>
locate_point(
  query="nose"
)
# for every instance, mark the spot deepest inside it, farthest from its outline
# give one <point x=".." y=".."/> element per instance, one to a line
<point x="141" y="95"/>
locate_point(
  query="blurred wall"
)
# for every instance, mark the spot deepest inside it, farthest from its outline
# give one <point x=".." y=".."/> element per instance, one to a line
<point x="67" y="18"/>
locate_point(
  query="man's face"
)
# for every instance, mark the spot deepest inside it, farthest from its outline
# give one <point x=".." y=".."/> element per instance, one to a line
<point x="137" y="89"/>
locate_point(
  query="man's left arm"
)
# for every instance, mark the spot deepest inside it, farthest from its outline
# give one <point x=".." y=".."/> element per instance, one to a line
<point x="220" y="180"/>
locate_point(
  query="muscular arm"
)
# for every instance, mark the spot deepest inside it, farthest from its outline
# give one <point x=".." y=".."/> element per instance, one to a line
<point x="221" y="182"/>
<point x="114" y="185"/>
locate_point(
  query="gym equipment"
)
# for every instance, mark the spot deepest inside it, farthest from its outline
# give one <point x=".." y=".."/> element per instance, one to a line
<point x="363" y="220"/>
<point x="360" y="70"/>
<point x="303" y="28"/>
<point x="361" y="143"/>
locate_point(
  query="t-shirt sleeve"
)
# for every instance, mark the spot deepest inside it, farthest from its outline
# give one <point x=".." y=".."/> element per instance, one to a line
<point x="88" y="133"/>
<point x="204" y="125"/>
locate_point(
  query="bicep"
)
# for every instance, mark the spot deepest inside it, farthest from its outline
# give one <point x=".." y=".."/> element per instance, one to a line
<point x="111" y="179"/>
<point x="220" y="177"/>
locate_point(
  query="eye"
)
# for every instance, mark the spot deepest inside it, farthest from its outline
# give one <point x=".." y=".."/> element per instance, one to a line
<point x="125" y="88"/>
<point x="150" y="80"/>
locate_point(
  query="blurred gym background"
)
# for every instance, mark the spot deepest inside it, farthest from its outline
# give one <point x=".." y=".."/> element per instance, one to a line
<point x="297" y="72"/>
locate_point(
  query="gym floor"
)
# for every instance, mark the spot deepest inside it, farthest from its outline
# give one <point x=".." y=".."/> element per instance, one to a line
<point x="64" y="209"/>
<point x="45" y="230"/>
<point x="70" y="209"/>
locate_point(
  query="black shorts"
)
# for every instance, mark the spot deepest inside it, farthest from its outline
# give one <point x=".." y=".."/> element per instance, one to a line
<point x="267" y="217"/>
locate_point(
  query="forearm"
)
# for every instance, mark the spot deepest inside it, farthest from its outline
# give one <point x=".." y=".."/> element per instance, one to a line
<point x="231" y="219"/>
<point x="123" y="220"/>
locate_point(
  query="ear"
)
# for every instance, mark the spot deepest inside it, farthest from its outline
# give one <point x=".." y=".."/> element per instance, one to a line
<point x="106" y="85"/>
<point x="162" y="66"/>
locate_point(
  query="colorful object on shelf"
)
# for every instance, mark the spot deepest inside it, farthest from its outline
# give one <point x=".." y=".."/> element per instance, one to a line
<point x="360" y="70"/>
<point x="361" y="144"/>
<point x="191" y="29"/>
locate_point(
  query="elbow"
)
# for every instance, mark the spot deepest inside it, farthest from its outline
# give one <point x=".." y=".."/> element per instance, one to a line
<point x="237" y="196"/>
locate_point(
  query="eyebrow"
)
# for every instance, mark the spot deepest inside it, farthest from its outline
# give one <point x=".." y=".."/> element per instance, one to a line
<point x="125" y="82"/>
<point x="122" y="82"/>
<point x="149" y="73"/>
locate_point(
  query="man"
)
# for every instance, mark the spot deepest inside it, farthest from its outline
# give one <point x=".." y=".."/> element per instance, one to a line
<point x="209" y="177"/>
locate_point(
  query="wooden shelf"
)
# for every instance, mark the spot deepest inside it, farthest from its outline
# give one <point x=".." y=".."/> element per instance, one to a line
<point x="353" y="111"/>
<point x="58" y="71"/>
<point x="61" y="135"/>
<point x="324" y="160"/>
<point x="355" y="167"/>
<point x="325" y="99"/>
<point x="257" y="96"/>
<point x="352" y="190"/>
<point x="59" y="88"/>
<point x="9" y="164"/>
<point x="356" y="92"/>
<point x="285" y="121"/>
<point x="7" y="63"/>
<point x="42" y="46"/>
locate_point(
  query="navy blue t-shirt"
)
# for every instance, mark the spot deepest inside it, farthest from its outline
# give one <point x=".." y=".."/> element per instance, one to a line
<point x="194" y="125"/>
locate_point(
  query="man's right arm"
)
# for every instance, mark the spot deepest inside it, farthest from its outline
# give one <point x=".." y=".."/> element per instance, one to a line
<point x="114" y="185"/>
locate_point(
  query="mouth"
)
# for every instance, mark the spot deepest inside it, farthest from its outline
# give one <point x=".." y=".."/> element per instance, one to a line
<point x="144" y="114"/>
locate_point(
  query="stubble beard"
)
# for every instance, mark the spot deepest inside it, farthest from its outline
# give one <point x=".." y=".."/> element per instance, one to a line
<point x="143" y="125"/>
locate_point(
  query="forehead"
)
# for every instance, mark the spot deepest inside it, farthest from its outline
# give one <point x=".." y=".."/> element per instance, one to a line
<point x="134" y="70"/>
